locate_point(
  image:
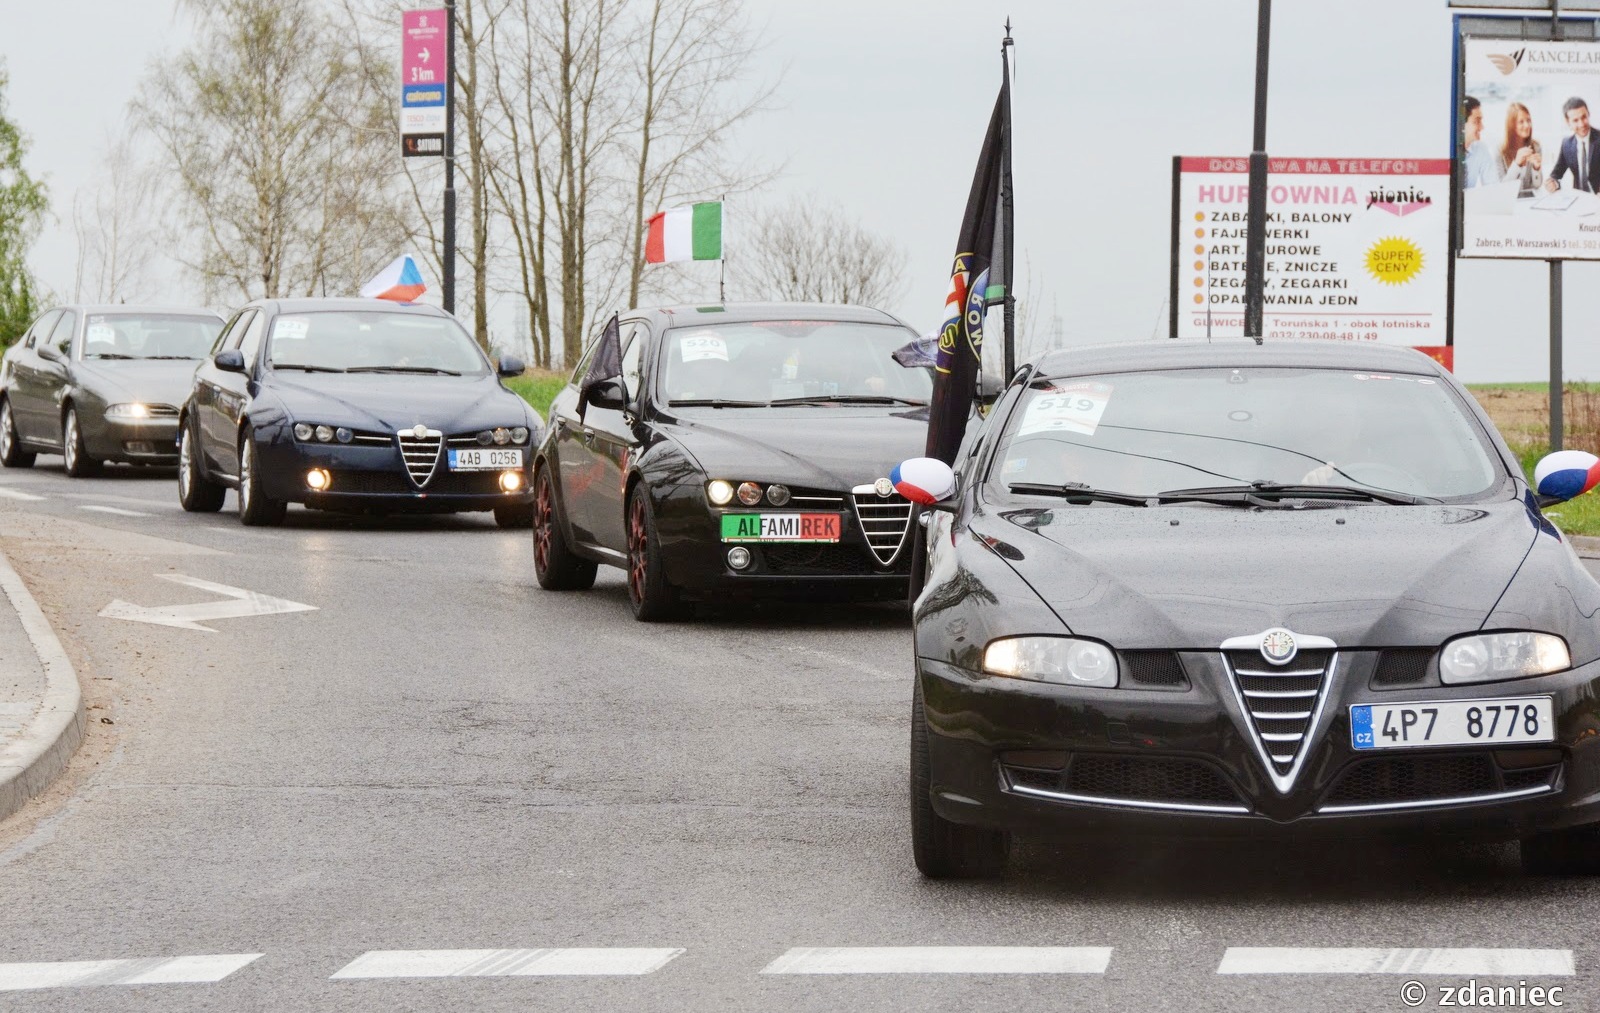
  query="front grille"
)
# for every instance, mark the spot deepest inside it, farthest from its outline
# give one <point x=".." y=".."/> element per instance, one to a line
<point x="1155" y="668"/>
<point x="372" y="439"/>
<point x="884" y="520"/>
<point x="1146" y="779"/>
<point x="817" y="560"/>
<point x="1402" y="666"/>
<point x="1390" y="780"/>
<point x="1281" y="701"/>
<point x="448" y="483"/>
<point x="816" y="499"/>
<point x="160" y="411"/>
<point x="421" y="455"/>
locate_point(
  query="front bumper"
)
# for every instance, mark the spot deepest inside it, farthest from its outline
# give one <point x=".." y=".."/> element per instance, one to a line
<point x="374" y="477"/>
<point x="1052" y="760"/>
<point x="131" y="441"/>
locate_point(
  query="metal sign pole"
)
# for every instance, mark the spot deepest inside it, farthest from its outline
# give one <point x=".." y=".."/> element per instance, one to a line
<point x="448" y="282"/>
<point x="1255" y="243"/>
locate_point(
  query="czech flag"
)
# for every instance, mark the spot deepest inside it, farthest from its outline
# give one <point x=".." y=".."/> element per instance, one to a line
<point x="923" y="480"/>
<point x="1566" y="474"/>
<point x="399" y="282"/>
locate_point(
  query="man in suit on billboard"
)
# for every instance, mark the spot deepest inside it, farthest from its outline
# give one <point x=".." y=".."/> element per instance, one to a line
<point x="1580" y="153"/>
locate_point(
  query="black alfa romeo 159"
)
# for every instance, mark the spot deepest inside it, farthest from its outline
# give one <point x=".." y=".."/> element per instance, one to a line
<point x="741" y="451"/>
<point x="1239" y="589"/>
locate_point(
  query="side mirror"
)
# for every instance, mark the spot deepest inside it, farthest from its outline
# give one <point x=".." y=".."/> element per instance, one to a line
<point x="229" y="360"/>
<point x="926" y="481"/>
<point x="50" y="352"/>
<point x="607" y="394"/>
<point x="510" y="365"/>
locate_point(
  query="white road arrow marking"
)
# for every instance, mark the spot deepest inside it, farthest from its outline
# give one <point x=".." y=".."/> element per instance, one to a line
<point x="14" y="494"/>
<point x="118" y="511"/>
<point x="241" y="603"/>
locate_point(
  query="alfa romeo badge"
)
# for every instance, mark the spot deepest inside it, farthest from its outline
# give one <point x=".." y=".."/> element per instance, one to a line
<point x="1278" y="646"/>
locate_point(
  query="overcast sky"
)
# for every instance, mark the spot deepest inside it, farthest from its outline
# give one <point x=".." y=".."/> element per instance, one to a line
<point x="883" y="107"/>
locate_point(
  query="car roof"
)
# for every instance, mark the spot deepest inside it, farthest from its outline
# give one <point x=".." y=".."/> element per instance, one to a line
<point x="1196" y="354"/>
<point x="346" y="305"/>
<point x="736" y="313"/>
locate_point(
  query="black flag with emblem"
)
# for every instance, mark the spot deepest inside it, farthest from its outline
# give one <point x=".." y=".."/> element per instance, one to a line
<point x="607" y="362"/>
<point x="980" y="275"/>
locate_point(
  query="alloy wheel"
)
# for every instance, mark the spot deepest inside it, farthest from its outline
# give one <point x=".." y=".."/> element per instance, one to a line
<point x="638" y="549"/>
<point x="245" y="461"/>
<point x="185" y="480"/>
<point x="8" y="430"/>
<point x="543" y="518"/>
<point x="69" y="442"/>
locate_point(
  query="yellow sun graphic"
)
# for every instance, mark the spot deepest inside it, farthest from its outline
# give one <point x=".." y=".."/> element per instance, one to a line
<point x="1394" y="261"/>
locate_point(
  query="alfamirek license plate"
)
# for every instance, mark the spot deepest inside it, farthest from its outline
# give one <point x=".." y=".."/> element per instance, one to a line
<point x="782" y="527"/>
<point x="1452" y="723"/>
<point x="485" y="459"/>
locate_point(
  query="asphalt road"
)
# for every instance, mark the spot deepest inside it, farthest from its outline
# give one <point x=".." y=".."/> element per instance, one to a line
<point x="442" y="756"/>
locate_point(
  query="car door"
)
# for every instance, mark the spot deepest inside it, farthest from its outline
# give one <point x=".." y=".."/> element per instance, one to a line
<point x="611" y="440"/>
<point x="232" y="395"/>
<point x="53" y="359"/>
<point x="573" y="450"/>
<point x="25" y="384"/>
<point x="210" y="392"/>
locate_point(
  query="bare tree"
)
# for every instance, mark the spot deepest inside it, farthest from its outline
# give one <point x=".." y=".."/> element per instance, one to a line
<point x="810" y="251"/>
<point x="114" y="227"/>
<point x="282" y="149"/>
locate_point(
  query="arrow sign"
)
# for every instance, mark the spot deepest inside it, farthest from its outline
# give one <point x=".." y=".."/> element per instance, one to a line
<point x="238" y="604"/>
<point x="424" y="54"/>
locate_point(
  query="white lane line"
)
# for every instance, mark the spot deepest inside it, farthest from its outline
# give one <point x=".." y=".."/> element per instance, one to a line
<point x="154" y="971"/>
<point x="942" y="960"/>
<point x="498" y="963"/>
<point x="14" y="494"/>
<point x="112" y="510"/>
<point x="1342" y="960"/>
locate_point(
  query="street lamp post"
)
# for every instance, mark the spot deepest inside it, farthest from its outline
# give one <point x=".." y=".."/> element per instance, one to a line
<point x="448" y="281"/>
<point x="1255" y="243"/>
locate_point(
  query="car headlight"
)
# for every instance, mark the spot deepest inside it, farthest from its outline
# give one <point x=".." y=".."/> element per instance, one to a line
<point x="302" y="431"/>
<point x="519" y="434"/>
<point x="325" y="434"/>
<point x="1489" y="657"/>
<point x="719" y="492"/>
<point x="127" y="411"/>
<point x="1066" y="661"/>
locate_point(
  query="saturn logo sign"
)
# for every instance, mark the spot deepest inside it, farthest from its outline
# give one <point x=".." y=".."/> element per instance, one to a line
<point x="1278" y="646"/>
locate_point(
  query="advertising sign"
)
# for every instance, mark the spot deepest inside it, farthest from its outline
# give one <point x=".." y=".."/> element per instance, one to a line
<point x="1357" y="249"/>
<point x="1530" y="156"/>
<point x="424" y="70"/>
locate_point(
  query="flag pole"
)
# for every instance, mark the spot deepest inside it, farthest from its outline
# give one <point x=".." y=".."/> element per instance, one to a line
<point x="1005" y="209"/>
<point x="722" y="251"/>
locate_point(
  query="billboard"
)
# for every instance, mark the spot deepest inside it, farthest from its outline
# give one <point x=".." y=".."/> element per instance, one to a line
<point x="424" y="72"/>
<point x="1357" y="248"/>
<point x="1529" y="157"/>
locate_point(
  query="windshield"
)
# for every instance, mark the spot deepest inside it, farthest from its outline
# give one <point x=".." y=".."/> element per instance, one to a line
<point x="779" y="360"/>
<point x="373" y="341"/>
<point x="149" y="335"/>
<point x="1148" y="433"/>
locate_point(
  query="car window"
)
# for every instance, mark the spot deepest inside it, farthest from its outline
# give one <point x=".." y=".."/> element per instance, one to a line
<point x="634" y="340"/>
<point x="42" y="327"/>
<point x="148" y="335"/>
<point x="773" y="360"/>
<point x="229" y="338"/>
<point x="61" y="336"/>
<point x="374" y="340"/>
<point x="250" y="344"/>
<point x="1150" y="432"/>
<point x="583" y="363"/>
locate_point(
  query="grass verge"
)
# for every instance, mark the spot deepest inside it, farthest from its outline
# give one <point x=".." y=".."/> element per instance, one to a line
<point x="538" y="387"/>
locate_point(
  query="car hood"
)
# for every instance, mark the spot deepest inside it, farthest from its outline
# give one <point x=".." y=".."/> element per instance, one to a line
<point x="150" y="381"/>
<point x="815" y="446"/>
<point x="387" y="403"/>
<point x="1191" y="577"/>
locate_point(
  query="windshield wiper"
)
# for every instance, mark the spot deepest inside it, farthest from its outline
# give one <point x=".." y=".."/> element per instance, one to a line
<point x="1079" y="492"/>
<point x="713" y="402"/>
<point x="1274" y="491"/>
<point x="107" y="355"/>
<point x="403" y="369"/>
<point x="308" y="369"/>
<point x="189" y="357"/>
<point x="847" y="399"/>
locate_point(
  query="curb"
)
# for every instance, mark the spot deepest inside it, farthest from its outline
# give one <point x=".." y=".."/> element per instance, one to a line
<point x="29" y="764"/>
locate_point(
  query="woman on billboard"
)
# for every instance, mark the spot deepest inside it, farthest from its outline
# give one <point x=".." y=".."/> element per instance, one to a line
<point x="1520" y="156"/>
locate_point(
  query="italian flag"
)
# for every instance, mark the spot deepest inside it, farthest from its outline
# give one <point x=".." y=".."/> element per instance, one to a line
<point x="688" y="233"/>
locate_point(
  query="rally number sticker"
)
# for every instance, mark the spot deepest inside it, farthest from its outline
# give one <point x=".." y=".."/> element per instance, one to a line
<point x="703" y="346"/>
<point x="1072" y="408"/>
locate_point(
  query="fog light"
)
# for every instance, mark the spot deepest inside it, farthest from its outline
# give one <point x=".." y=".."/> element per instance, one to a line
<point x="510" y="481"/>
<point x="302" y="431"/>
<point x="749" y="493"/>
<point x="777" y="495"/>
<point x="317" y="479"/>
<point x="325" y="434"/>
<point x="719" y="492"/>
<point x="738" y="557"/>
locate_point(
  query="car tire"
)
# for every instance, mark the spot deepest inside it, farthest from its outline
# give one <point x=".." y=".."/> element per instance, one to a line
<point x="942" y="849"/>
<point x="196" y="493"/>
<point x="517" y="516"/>
<point x="78" y="462"/>
<point x="11" y="453"/>
<point x="256" y="508"/>
<point x="1571" y="852"/>
<point x="554" y="563"/>
<point x="653" y="599"/>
